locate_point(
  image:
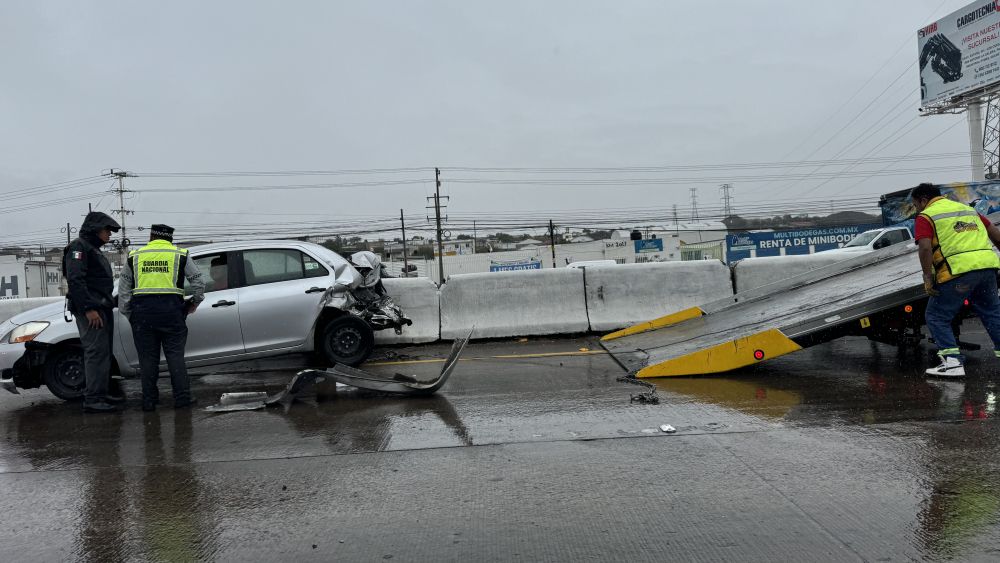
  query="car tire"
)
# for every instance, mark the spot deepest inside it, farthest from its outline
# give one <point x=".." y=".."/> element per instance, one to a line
<point x="63" y="374"/>
<point x="347" y="340"/>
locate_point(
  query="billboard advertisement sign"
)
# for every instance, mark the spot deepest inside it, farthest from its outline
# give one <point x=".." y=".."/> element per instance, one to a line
<point x="515" y="265"/>
<point x="648" y="245"/>
<point x="783" y="243"/>
<point x="960" y="53"/>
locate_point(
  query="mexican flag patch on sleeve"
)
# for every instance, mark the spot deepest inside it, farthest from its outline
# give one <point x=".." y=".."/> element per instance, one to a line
<point x="77" y="255"/>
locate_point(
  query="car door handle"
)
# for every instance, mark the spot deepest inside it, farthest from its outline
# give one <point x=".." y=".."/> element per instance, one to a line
<point x="223" y="303"/>
<point x="315" y="290"/>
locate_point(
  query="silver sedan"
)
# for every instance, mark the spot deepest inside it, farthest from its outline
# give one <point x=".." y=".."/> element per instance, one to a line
<point x="262" y="298"/>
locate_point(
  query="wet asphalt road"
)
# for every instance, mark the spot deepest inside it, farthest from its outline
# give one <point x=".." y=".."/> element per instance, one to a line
<point x="840" y="452"/>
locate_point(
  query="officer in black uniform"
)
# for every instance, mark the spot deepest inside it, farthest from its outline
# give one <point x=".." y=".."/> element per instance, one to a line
<point x="91" y="282"/>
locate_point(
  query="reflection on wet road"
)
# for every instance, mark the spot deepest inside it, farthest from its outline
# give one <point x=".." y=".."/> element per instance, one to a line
<point x="840" y="452"/>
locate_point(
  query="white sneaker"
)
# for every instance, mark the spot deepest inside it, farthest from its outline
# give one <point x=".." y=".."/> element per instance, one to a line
<point x="950" y="367"/>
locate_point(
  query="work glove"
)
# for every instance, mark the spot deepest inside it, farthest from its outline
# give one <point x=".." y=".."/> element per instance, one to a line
<point x="929" y="287"/>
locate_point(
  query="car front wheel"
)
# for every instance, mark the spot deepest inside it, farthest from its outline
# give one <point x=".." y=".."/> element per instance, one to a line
<point x="348" y="340"/>
<point x="63" y="374"/>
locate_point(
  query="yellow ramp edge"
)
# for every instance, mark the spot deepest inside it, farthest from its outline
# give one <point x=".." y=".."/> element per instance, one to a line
<point x="671" y="319"/>
<point x="725" y="357"/>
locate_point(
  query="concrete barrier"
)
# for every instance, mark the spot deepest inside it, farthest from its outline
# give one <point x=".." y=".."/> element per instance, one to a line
<point x="524" y="303"/>
<point x="11" y="307"/>
<point x="420" y="301"/>
<point x="752" y="273"/>
<point x="619" y="296"/>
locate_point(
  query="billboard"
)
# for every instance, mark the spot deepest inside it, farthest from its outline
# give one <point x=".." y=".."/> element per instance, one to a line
<point x="960" y="53"/>
<point x="898" y="209"/>
<point x="756" y="244"/>
<point x="514" y="265"/>
<point x="648" y="245"/>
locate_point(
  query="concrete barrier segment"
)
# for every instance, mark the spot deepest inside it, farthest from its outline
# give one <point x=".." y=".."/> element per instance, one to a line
<point x="420" y="301"/>
<point x="520" y="303"/>
<point x="752" y="273"/>
<point x="622" y="295"/>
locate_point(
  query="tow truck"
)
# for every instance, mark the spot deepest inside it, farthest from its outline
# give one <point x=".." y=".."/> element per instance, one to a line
<point x="878" y="295"/>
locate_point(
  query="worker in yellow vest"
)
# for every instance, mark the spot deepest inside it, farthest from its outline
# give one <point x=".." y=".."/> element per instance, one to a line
<point x="151" y="295"/>
<point x="955" y="246"/>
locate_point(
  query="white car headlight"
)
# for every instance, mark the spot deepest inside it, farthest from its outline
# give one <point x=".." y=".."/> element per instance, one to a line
<point x="27" y="332"/>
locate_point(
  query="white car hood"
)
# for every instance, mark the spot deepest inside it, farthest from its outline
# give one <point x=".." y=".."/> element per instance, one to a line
<point x="50" y="312"/>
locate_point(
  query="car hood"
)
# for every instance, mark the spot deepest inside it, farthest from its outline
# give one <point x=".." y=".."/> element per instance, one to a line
<point x="50" y="312"/>
<point x="851" y="250"/>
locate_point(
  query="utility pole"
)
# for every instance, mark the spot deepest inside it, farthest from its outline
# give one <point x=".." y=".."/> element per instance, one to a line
<point x="437" y="218"/>
<point x="406" y="261"/>
<point x="69" y="233"/>
<point x="121" y="211"/>
<point x="991" y="138"/>
<point x="677" y="227"/>
<point x="552" y="241"/>
<point x="727" y="199"/>
<point x="473" y="237"/>
<point x="694" y="204"/>
<point x="976" y="132"/>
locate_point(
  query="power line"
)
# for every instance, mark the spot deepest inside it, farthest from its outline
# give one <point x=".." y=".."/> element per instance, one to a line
<point x="269" y="173"/>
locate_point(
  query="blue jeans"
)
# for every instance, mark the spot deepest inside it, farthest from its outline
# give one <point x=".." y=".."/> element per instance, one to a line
<point x="980" y="288"/>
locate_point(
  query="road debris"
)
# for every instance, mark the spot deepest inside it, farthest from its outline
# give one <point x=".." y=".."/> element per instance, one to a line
<point x="646" y="397"/>
<point x="341" y="374"/>
<point x="667" y="428"/>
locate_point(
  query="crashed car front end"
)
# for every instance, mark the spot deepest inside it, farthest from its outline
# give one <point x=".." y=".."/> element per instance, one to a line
<point x="21" y="358"/>
<point x="358" y="290"/>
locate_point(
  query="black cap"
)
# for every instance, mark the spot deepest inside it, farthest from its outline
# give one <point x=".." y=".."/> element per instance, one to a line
<point x="162" y="231"/>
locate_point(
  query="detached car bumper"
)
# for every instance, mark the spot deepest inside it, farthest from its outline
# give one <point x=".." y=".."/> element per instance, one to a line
<point x="10" y="354"/>
<point x="21" y="365"/>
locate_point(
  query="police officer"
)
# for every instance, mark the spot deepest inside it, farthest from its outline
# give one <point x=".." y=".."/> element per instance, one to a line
<point x="151" y="296"/>
<point x="956" y="254"/>
<point x="91" y="282"/>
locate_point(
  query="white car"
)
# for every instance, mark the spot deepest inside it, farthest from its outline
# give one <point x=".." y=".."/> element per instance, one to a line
<point x="875" y="239"/>
<point x="262" y="298"/>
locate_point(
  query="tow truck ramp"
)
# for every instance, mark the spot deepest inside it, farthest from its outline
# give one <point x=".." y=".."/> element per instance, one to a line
<point x="879" y="295"/>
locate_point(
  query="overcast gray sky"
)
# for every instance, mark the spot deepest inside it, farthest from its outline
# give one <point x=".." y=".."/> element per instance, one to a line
<point x="268" y="86"/>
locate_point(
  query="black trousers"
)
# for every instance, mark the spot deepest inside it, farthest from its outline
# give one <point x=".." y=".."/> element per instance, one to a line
<point x="153" y="332"/>
<point x="97" y="350"/>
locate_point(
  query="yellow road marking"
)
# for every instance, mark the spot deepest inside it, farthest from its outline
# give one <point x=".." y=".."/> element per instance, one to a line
<point x="551" y="354"/>
<point x="501" y="357"/>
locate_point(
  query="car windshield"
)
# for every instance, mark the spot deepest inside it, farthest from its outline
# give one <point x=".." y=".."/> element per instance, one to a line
<point x="863" y="239"/>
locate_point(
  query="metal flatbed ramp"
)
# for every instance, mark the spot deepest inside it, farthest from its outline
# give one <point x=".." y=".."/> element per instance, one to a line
<point x="776" y="319"/>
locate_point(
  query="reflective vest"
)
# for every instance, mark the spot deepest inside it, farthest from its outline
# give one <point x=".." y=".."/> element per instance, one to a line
<point x="158" y="268"/>
<point x="960" y="242"/>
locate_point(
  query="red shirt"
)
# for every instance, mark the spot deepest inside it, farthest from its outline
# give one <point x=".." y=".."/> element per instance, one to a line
<point x="922" y="227"/>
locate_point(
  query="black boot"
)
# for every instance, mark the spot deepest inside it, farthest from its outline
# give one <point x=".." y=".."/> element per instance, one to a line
<point x="182" y="404"/>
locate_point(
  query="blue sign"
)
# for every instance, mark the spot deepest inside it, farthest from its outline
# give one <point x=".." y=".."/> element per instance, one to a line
<point x="780" y="243"/>
<point x="515" y="265"/>
<point x="649" y="245"/>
